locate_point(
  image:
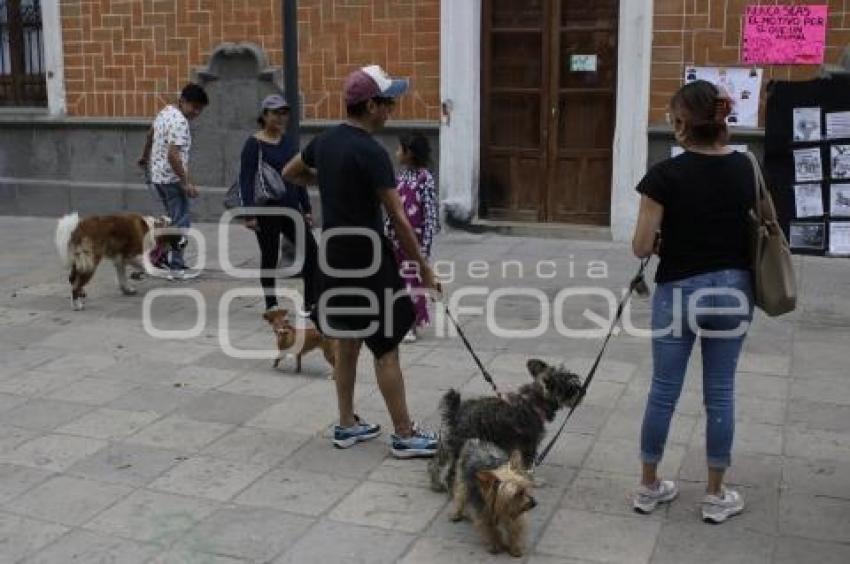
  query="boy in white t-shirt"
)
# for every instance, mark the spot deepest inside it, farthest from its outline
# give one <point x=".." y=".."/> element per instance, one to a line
<point x="166" y="153"/>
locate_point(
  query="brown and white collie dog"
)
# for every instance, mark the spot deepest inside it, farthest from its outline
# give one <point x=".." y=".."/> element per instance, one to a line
<point x="83" y="243"/>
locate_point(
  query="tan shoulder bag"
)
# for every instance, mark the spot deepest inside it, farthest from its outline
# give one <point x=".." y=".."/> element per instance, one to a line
<point x="774" y="281"/>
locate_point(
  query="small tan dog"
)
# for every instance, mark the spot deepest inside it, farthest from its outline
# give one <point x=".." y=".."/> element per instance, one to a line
<point x="304" y="338"/>
<point x="497" y="489"/>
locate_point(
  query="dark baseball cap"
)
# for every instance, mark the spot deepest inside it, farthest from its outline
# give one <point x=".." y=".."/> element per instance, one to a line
<point x="370" y="82"/>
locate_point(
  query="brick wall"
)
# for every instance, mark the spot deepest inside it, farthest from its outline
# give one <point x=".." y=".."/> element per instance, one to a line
<point x="129" y="57"/>
<point x="708" y="33"/>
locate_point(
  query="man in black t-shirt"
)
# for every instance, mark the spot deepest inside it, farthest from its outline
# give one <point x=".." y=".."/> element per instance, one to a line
<point x="355" y="178"/>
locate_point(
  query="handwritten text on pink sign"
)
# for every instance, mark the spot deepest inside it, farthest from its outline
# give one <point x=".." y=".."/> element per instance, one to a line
<point x="784" y="35"/>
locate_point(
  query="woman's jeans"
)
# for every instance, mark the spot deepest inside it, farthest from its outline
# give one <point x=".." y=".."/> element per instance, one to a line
<point x="270" y="228"/>
<point x="718" y="306"/>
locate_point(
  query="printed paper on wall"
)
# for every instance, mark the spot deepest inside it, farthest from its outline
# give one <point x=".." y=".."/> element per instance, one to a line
<point x="807" y="124"/>
<point x="809" y="200"/>
<point x="807" y="165"/>
<point x="839" y="200"/>
<point x="839" y="162"/>
<point x="742" y="84"/>
<point x="839" y="238"/>
<point x="810" y="236"/>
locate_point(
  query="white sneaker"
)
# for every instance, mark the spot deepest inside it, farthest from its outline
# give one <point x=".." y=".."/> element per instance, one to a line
<point x="410" y="337"/>
<point x="647" y="499"/>
<point x="718" y="508"/>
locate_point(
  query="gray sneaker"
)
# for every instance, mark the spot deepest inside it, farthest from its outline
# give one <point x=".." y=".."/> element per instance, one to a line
<point x="718" y="508"/>
<point x="647" y="499"/>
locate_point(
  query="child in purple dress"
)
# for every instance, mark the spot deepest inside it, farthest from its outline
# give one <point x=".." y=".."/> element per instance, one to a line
<point x="419" y="197"/>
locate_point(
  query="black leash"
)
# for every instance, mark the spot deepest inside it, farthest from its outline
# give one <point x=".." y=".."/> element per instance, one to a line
<point x="638" y="284"/>
<point x="477" y="360"/>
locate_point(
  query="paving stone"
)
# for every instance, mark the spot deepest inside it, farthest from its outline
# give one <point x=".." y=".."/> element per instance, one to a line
<point x="819" y="416"/>
<point x="428" y="550"/>
<point x="8" y="401"/>
<point x="264" y="385"/>
<point x="700" y="543"/>
<point x="748" y="469"/>
<point x="592" y="536"/>
<point x="14" y="480"/>
<point x="44" y="415"/>
<point x="180" y="433"/>
<point x="759" y="515"/>
<point x="159" y="399"/>
<point x="761" y="386"/>
<point x="189" y="557"/>
<point x="83" y="546"/>
<point x="352" y="544"/>
<point x="764" y="363"/>
<point x="790" y="550"/>
<point x="80" y="363"/>
<point x="36" y="383"/>
<point x="261" y="447"/>
<point x="543" y="559"/>
<point x="621" y="456"/>
<point x="208" y="477"/>
<point x="319" y="455"/>
<point x="815" y="517"/>
<point x="200" y="377"/>
<point x="570" y="450"/>
<point x="222" y="407"/>
<point x="304" y="493"/>
<point x="109" y="423"/>
<point x="826" y="391"/>
<point x="821" y="477"/>
<point x="152" y="517"/>
<point x="126" y="463"/>
<point x="757" y="410"/>
<point x="310" y="409"/>
<point x="22" y="536"/>
<point x="412" y="473"/>
<point x="253" y="533"/>
<point x="67" y="500"/>
<point x="803" y="443"/>
<point x="10" y="437"/>
<point x="601" y="492"/>
<point x="608" y="370"/>
<point x="389" y="506"/>
<point x="52" y="452"/>
<point x="92" y="391"/>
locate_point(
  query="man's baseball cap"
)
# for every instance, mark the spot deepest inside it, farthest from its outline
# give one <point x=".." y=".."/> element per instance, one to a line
<point x="370" y="82"/>
<point x="274" y="102"/>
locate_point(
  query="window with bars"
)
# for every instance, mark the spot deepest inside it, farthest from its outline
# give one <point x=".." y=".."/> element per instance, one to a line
<point x="22" y="74"/>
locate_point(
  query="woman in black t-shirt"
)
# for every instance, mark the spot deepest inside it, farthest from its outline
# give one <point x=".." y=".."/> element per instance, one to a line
<point x="694" y="214"/>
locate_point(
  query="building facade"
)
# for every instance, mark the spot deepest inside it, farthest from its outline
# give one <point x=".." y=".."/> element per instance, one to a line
<point x="544" y="111"/>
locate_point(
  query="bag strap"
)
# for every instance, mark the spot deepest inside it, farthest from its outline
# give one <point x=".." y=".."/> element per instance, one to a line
<point x="765" y="210"/>
<point x="758" y="182"/>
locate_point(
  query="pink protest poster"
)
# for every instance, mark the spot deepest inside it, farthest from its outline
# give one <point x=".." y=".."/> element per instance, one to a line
<point x="784" y="35"/>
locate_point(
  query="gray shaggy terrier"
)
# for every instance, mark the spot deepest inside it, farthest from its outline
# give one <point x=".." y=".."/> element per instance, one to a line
<point x="516" y="422"/>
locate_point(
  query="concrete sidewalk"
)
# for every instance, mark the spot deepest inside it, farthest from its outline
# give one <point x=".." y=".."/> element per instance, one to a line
<point x="118" y="447"/>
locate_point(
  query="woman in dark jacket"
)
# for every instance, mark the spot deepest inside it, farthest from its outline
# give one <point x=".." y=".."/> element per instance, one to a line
<point x="277" y="149"/>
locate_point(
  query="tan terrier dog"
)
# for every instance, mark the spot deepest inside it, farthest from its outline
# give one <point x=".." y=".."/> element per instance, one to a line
<point x="499" y="492"/>
<point x="298" y="340"/>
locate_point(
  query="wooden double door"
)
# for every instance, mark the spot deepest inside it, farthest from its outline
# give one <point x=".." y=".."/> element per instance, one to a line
<point x="549" y="77"/>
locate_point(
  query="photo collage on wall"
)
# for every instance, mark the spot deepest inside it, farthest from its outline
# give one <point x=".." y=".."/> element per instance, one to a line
<point x="821" y="183"/>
